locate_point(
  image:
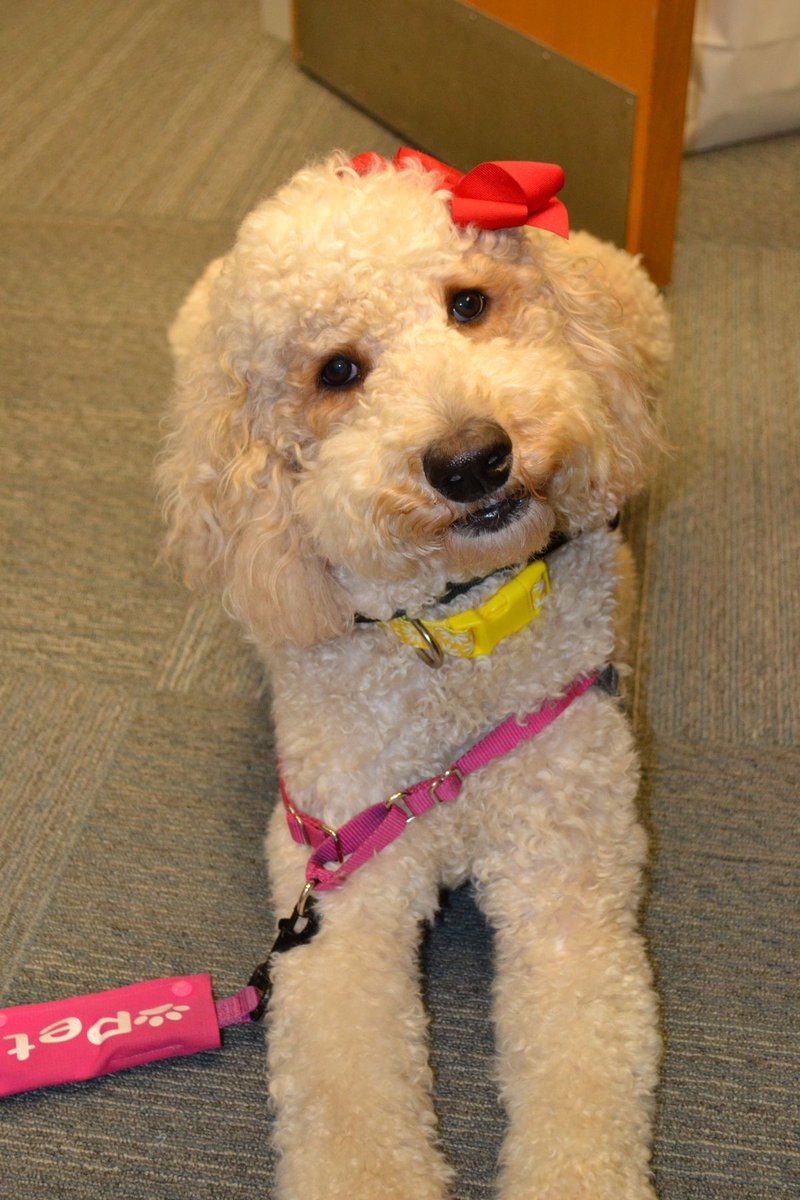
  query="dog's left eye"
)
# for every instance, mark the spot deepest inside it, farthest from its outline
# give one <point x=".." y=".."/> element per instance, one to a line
<point x="468" y="305"/>
<point x="339" y="372"/>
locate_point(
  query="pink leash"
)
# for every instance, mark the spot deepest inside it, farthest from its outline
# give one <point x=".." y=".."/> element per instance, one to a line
<point x="84" y="1036"/>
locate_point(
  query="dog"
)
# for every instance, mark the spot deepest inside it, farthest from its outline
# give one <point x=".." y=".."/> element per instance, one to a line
<point x="388" y="407"/>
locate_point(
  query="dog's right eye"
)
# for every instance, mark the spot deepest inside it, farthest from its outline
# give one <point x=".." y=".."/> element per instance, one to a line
<point x="339" y="372"/>
<point x="468" y="305"/>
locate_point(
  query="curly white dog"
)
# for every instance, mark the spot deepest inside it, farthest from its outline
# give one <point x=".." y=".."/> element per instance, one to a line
<point x="385" y="409"/>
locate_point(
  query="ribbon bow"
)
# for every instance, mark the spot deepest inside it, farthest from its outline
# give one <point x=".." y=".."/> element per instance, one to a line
<point x="493" y="195"/>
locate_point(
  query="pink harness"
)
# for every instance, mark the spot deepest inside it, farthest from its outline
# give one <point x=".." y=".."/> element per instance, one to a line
<point x="373" y="829"/>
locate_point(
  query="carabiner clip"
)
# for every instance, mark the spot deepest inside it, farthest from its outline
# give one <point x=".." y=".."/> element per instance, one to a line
<point x="288" y="937"/>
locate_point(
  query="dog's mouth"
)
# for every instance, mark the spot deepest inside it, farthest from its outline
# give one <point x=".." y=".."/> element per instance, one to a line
<point x="493" y="516"/>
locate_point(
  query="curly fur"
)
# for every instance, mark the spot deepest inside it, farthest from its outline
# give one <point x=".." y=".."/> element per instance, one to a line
<point x="304" y="505"/>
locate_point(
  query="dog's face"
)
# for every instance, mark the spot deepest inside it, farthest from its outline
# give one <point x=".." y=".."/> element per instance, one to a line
<point x="372" y="400"/>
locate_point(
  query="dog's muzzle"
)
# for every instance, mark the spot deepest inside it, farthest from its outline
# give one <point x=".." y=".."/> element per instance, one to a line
<point x="473" y="467"/>
<point x="470" y="465"/>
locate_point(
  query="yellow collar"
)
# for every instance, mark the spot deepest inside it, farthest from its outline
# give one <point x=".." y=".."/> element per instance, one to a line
<point x="478" y="630"/>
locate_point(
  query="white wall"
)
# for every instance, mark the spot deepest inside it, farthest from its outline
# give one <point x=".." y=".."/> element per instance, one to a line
<point x="745" y="77"/>
<point x="276" y="18"/>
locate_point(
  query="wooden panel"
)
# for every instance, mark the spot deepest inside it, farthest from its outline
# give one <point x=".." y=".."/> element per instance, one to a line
<point x="644" y="47"/>
<point x="658" y="163"/>
<point x="615" y="37"/>
<point x="466" y="88"/>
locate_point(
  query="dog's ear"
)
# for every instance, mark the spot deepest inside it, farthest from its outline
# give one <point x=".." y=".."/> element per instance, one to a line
<point x="616" y="321"/>
<point x="227" y="489"/>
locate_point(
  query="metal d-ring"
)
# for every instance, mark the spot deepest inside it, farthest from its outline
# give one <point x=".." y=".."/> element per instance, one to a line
<point x="431" y="654"/>
<point x="305" y="896"/>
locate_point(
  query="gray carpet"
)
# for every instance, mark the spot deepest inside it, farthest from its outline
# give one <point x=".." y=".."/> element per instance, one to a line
<point x="137" y="756"/>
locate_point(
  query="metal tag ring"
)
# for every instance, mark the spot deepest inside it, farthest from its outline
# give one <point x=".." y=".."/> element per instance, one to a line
<point x="432" y="654"/>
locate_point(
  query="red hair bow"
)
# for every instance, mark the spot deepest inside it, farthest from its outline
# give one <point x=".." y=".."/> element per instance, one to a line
<point x="493" y="195"/>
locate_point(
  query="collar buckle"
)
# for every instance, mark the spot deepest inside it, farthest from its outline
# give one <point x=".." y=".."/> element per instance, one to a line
<point x="478" y="630"/>
<point x="510" y="609"/>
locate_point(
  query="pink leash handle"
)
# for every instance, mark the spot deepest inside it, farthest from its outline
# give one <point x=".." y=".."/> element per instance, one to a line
<point x="80" y="1037"/>
<point x="376" y="827"/>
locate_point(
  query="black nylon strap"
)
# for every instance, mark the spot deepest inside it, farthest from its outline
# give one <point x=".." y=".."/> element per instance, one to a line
<point x="460" y="589"/>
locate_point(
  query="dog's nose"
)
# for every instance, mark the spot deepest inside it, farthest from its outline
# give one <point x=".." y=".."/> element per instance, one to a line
<point x="471" y="464"/>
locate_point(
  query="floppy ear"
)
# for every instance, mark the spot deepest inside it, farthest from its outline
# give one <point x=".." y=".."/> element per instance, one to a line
<point x="228" y="492"/>
<point x="641" y="310"/>
<point x="616" y="321"/>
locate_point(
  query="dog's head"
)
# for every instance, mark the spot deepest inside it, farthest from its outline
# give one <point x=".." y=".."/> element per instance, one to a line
<point x="372" y="399"/>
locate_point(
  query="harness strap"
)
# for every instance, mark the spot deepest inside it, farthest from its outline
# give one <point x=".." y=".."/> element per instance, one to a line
<point x="370" y="831"/>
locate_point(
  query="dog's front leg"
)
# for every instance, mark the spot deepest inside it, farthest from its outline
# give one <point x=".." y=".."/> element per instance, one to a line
<point x="576" y="1017"/>
<point x="348" y="1056"/>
